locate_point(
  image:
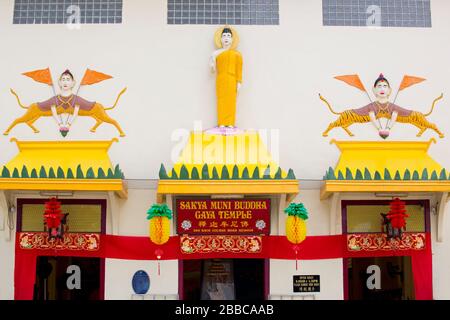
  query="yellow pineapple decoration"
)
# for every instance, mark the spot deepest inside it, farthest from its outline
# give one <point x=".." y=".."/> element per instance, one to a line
<point x="295" y="223"/>
<point x="159" y="225"/>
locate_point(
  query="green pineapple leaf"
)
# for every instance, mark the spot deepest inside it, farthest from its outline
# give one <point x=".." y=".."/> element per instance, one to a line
<point x="159" y="210"/>
<point x="297" y="209"/>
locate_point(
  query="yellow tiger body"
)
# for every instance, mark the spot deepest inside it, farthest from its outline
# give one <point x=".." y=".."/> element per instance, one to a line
<point x="33" y="113"/>
<point x="159" y="229"/>
<point x="418" y="119"/>
<point x="295" y="229"/>
<point x="349" y="117"/>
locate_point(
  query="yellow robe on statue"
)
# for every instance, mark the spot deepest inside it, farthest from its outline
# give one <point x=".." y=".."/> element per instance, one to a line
<point x="229" y="73"/>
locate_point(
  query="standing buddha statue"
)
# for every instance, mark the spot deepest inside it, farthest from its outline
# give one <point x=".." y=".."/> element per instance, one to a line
<point x="226" y="62"/>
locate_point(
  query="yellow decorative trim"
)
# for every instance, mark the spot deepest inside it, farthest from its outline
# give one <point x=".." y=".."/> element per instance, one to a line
<point x="245" y="150"/>
<point x="240" y="153"/>
<point x="332" y="186"/>
<point x="64" y="154"/>
<point x="381" y="155"/>
<point x="383" y="145"/>
<point x="290" y="187"/>
<point x="116" y="185"/>
<point x="96" y="144"/>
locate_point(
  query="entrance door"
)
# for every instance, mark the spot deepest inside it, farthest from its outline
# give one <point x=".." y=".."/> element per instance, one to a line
<point x="68" y="278"/>
<point x="223" y="279"/>
<point x="380" y="278"/>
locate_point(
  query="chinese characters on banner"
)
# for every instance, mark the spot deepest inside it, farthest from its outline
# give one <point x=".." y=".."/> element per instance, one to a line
<point x="223" y="216"/>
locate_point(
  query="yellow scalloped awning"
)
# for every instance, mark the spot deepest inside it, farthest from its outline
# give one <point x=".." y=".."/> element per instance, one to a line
<point x="62" y="166"/>
<point x="398" y="159"/>
<point x="390" y="155"/>
<point x="245" y="151"/>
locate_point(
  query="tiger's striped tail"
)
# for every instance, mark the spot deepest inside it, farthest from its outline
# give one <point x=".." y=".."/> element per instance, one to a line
<point x="18" y="99"/>
<point x="434" y="102"/>
<point x="328" y="105"/>
<point x="117" y="100"/>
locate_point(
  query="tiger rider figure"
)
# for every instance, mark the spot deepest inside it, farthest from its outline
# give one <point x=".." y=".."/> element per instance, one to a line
<point x="382" y="108"/>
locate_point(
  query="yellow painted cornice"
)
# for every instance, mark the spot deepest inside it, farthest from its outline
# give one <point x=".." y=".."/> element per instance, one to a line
<point x="63" y="154"/>
<point x="385" y="166"/>
<point x="392" y="186"/>
<point x="223" y="165"/>
<point x="116" y="185"/>
<point x="89" y="157"/>
<point x="380" y="155"/>
<point x="383" y="145"/>
<point x="98" y="145"/>
<point x="218" y="187"/>
<point x="244" y="150"/>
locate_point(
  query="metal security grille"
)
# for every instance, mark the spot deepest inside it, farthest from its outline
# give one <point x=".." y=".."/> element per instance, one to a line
<point x="377" y="13"/>
<point x="67" y="11"/>
<point x="235" y="12"/>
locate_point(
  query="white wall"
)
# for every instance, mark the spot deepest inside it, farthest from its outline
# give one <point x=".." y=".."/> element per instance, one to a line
<point x="441" y="259"/>
<point x="7" y="266"/>
<point x="133" y="212"/>
<point x="119" y="274"/>
<point x="165" y="68"/>
<point x="330" y="271"/>
<point x="318" y="222"/>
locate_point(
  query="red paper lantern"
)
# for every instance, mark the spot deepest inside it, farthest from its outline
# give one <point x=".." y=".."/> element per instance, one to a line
<point x="53" y="217"/>
<point x="397" y="214"/>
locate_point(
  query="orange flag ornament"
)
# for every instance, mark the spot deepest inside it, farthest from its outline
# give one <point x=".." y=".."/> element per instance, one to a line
<point x="92" y="77"/>
<point x="42" y="76"/>
<point x="353" y="80"/>
<point x="409" y="81"/>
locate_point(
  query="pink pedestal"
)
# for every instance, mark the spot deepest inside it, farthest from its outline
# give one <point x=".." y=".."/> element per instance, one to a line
<point x="225" y="131"/>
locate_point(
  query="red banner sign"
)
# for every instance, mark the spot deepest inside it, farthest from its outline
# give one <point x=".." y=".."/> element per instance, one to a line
<point x="379" y="241"/>
<point x="70" y="241"/>
<point x="209" y="244"/>
<point x="223" y="216"/>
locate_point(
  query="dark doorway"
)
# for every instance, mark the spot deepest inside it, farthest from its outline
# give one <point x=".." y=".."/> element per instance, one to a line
<point x="224" y="279"/>
<point x="68" y="278"/>
<point x="249" y="279"/>
<point x="380" y="278"/>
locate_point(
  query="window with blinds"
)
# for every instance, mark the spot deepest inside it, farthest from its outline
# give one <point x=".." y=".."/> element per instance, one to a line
<point x="377" y="13"/>
<point x="362" y="218"/>
<point x="235" y="12"/>
<point x="67" y="11"/>
<point x="83" y="217"/>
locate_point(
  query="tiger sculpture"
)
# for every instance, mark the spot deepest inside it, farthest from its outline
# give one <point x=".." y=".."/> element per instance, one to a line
<point x="382" y="108"/>
<point x="70" y="104"/>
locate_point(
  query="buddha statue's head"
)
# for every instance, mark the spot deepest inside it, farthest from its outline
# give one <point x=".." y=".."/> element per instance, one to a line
<point x="66" y="81"/>
<point x="381" y="88"/>
<point x="227" y="38"/>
